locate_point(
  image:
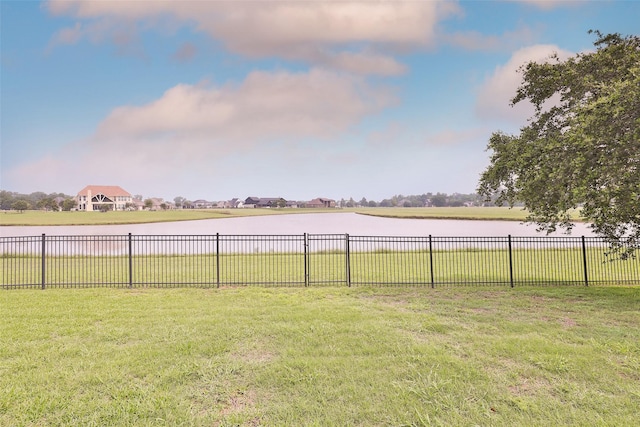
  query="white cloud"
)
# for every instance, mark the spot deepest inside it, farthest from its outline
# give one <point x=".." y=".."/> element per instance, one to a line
<point x="495" y="94"/>
<point x="265" y="105"/>
<point x="476" y="41"/>
<point x="548" y="4"/>
<point x="322" y="32"/>
<point x="360" y="62"/>
<point x="197" y="130"/>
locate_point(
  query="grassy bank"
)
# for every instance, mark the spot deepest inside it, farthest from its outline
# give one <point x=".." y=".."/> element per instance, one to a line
<point x="336" y="356"/>
<point x="43" y="218"/>
<point x="471" y="213"/>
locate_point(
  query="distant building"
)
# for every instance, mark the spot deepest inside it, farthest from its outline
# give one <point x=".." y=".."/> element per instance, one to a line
<point x="202" y="204"/>
<point x="101" y="197"/>
<point x="157" y="204"/>
<point x="321" y="202"/>
<point x="230" y="204"/>
<point x="265" y="202"/>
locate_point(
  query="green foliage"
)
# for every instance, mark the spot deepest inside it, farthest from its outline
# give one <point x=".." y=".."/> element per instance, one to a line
<point x="582" y="146"/>
<point x="38" y="199"/>
<point x="20" y="205"/>
<point x="179" y="201"/>
<point x="48" y="204"/>
<point x="68" y="204"/>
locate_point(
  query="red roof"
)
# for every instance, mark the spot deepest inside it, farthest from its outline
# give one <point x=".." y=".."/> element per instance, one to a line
<point x="107" y="190"/>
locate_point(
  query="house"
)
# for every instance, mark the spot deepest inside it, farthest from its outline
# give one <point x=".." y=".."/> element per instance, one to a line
<point x="265" y="202"/>
<point x="251" y="202"/>
<point x="103" y="197"/>
<point x="202" y="204"/>
<point x="231" y="204"/>
<point x="321" y="202"/>
<point x="157" y="204"/>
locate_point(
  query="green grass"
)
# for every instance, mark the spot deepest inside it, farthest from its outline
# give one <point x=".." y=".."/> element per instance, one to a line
<point x="330" y="356"/>
<point x="464" y="266"/>
<point x="43" y="218"/>
<point x="472" y="213"/>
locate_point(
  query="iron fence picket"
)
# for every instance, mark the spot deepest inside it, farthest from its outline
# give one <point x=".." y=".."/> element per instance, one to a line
<point x="326" y="259"/>
<point x="307" y="260"/>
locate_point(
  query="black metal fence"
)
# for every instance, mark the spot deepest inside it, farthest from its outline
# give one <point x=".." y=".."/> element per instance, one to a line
<point x="307" y="260"/>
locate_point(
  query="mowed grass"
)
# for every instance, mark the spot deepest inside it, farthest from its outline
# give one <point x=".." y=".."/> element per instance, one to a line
<point x="43" y="218"/>
<point x="469" y="213"/>
<point x="330" y="356"/>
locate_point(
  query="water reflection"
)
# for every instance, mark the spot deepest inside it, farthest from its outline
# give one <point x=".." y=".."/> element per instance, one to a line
<point x="298" y="224"/>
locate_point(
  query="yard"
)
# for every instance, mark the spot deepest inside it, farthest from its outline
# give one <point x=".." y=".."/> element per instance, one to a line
<point x="329" y="356"/>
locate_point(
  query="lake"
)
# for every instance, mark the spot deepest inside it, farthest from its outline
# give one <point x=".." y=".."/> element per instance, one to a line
<point x="296" y="224"/>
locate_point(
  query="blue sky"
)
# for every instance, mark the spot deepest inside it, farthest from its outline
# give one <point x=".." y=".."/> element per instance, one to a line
<point x="299" y="99"/>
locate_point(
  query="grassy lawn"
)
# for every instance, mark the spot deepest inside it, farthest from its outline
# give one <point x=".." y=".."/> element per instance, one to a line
<point x="136" y="217"/>
<point x="330" y="356"/>
<point x="475" y="213"/>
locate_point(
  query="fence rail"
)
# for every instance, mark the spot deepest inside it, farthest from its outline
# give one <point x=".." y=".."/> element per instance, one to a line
<point x="307" y="260"/>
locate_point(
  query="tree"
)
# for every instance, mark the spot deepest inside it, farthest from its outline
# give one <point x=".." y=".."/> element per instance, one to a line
<point x="20" y="205"/>
<point x="179" y="200"/>
<point x="581" y="151"/>
<point x="439" y="200"/>
<point x="47" y="203"/>
<point x="6" y="200"/>
<point x="148" y="203"/>
<point x="68" y="204"/>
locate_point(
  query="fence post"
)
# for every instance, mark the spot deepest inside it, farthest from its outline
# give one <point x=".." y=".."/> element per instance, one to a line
<point x="130" y="261"/>
<point x="218" y="260"/>
<point x="431" y="262"/>
<point x="44" y="264"/>
<point x="348" y="260"/>
<point x="584" y="262"/>
<point x="306" y="260"/>
<point x="510" y="263"/>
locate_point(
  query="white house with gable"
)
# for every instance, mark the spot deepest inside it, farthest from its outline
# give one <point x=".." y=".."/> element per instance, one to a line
<point x="97" y="197"/>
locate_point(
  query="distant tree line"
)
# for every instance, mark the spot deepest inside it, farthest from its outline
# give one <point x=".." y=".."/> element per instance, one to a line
<point x="419" y="201"/>
<point x="60" y="201"/>
<point x="38" y="200"/>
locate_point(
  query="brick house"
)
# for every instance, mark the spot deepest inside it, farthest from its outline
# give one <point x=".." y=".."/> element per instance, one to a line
<point x="95" y="197"/>
<point x="321" y="202"/>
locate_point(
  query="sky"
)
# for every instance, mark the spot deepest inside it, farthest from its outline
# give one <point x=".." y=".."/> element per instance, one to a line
<point x="297" y="99"/>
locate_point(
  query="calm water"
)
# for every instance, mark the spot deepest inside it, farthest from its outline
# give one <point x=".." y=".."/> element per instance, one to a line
<point x="334" y="223"/>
